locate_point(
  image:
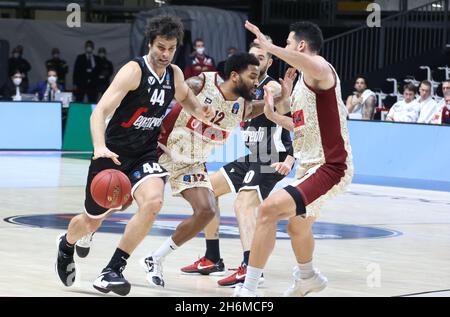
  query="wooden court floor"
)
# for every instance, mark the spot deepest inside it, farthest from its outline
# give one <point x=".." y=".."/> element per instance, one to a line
<point x="371" y="241"/>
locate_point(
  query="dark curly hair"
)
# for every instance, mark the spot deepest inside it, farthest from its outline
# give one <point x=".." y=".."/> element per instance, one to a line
<point x="238" y="63"/>
<point x="167" y="26"/>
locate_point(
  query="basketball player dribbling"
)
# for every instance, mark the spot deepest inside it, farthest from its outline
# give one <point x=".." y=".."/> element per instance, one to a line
<point x="251" y="177"/>
<point x="137" y="100"/>
<point x="187" y="142"/>
<point x="321" y="144"/>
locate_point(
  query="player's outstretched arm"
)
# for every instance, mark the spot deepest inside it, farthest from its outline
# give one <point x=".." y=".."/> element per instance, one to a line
<point x="186" y="97"/>
<point x="256" y="107"/>
<point x="281" y="92"/>
<point x="127" y="79"/>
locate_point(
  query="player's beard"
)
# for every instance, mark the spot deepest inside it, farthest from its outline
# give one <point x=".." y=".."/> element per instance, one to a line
<point x="244" y="92"/>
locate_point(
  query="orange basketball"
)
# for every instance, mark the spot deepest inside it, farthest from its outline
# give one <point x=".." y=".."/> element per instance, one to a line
<point x="110" y="188"/>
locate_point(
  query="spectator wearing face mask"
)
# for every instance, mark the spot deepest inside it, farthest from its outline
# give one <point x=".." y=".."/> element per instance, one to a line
<point x="221" y="66"/>
<point x="199" y="62"/>
<point x="105" y="71"/>
<point x="17" y="62"/>
<point x="426" y="106"/>
<point x="47" y="89"/>
<point x="14" y="87"/>
<point x="59" y="64"/>
<point x="85" y="75"/>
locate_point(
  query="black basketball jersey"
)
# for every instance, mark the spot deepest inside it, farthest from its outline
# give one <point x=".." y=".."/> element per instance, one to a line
<point x="263" y="136"/>
<point x="135" y="126"/>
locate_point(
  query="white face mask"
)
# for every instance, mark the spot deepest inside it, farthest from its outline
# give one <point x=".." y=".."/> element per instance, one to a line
<point x="200" y="50"/>
<point x="88" y="49"/>
<point x="52" y="79"/>
<point x="16" y="55"/>
<point x="17" y="81"/>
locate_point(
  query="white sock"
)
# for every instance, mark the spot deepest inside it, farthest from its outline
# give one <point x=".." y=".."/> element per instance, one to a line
<point x="165" y="249"/>
<point x="306" y="270"/>
<point x="252" y="278"/>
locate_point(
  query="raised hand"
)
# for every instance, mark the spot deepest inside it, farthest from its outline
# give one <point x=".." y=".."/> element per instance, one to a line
<point x="287" y="83"/>
<point x="261" y="39"/>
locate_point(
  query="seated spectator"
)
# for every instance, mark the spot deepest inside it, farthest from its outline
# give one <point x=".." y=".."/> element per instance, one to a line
<point x="14" y="87"/>
<point x="426" y="105"/>
<point x="442" y="116"/>
<point x="221" y="66"/>
<point x="199" y="62"/>
<point x="60" y="65"/>
<point x="47" y="89"/>
<point x="445" y="88"/>
<point x="17" y="61"/>
<point x="361" y="105"/>
<point x="405" y="110"/>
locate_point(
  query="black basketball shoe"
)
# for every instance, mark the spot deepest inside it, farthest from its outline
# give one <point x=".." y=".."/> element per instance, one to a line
<point x="111" y="280"/>
<point x="65" y="265"/>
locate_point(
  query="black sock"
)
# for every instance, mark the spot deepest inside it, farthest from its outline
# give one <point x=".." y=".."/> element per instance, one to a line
<point x="246" y="257"/>
<point x="212" y="250"/>
<point x="118" y="260"/>
<point x="65" y="246"/>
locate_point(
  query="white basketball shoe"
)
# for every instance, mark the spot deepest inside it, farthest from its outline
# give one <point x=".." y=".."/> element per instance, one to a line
<point x="302" y="287"/>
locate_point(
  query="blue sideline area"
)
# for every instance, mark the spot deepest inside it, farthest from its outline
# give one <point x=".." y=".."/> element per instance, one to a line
<point x="401" y="155"/>
<point x="384" y="153"/>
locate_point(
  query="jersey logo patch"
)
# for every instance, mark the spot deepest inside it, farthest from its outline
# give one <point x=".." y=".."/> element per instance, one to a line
<point x="137" y="175"/>
<point x="298" y="118"/>
<point x="134" y="117"/>
<point x="192" y="178"/>
<point x="206" y="131"/>
<point x="167" y="79"/>
<point x="235" y="108"/>
<point x="208" y="100"/>
<point x="138" y="121"/>
<point x="151" y="80"/>
<point x="258" y="93"/>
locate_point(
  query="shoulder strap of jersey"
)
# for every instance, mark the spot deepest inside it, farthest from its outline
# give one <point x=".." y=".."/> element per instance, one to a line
<point x="338" y="80"/>
<point x="170" y="73"/>
<point x="266" y="80"/>
<point x="140" y="61"/>
<point x="209" y="78"/>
